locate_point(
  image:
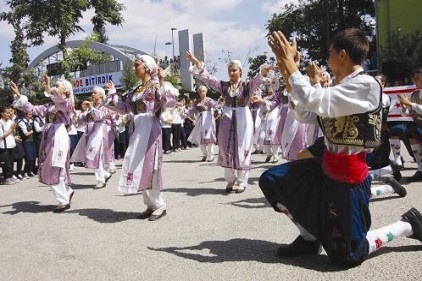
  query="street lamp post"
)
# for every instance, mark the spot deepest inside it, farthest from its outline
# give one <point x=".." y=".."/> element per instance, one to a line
<point x="172" y="38"/>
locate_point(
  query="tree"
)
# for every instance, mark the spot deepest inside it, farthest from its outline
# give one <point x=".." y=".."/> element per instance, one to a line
<point x="59" y="18"/>
<point x="255" y="63"/>
<point x="106" y="11"/>
<point x="314" y="22"/>
<point x="401" y="55"/>
<point x="78" y="58"/>
<point x="20" y="58"/>
<point x="129" y="79"/>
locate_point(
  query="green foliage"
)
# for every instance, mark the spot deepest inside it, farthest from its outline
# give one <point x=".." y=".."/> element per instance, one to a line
<point x="401" y="55"/>
<point x="255" y="63"/>
<point x="60" y="18"/>
<point x="174" y="80"/>
<point x="106" y="11"/>
<point x="129" y="79"/>
<point x="79" y="57"/>
<point x="314" y="22"/>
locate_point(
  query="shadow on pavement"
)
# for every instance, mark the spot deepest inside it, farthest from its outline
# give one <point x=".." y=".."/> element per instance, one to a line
<point x="105" y="215"/>
<point x="246" y="250"/>
<point x="399" y="249"/>
<point x="238" y="249"/>
<point x="252" y="203"/>
<point x="29" y="207"/>
<point x="385" y="198"/>
<point x="82" y="186"/>
<point x="181" y="161"/>
<point x="196" y="191"/>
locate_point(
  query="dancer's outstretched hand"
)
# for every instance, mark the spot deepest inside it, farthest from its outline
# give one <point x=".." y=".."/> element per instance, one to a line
<point x="193" y="59"/>
<point x="15" y="89"/>
<point x="282" y="48"/>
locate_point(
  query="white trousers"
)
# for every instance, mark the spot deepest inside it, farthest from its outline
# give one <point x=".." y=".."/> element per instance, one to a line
<point x="206" y="149"/>
<point x="153" y="198"/>
<point x="241" y="177"/>
<point x="271" y="150"/>
<point x="101" y="174"/>
<point x="61" y="190"/>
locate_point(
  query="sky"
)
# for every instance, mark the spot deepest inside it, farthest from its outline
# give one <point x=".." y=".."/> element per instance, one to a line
<point x="235" y="27"/>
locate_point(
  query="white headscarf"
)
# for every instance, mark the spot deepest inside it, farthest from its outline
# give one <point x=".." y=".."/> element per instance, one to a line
<point x="68" y="87"/>
<point x="237" y="63"/>
<point x="149" y="62"/>
<point x="101" y="91"/>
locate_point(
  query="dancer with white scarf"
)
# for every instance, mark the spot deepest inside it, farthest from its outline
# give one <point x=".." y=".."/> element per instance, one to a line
<point x="204" y="132"/>
<point x="236" y="126"/>
<point x="94" y="147"/>
<point x="53" y="166"/>
<point x="141" y="169"/>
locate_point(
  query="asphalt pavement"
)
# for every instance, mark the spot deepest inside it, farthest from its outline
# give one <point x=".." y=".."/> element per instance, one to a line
<point x="206" y="235"/>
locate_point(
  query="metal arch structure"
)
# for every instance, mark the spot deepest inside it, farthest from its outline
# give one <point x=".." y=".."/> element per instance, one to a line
<point x="120" y="52"/>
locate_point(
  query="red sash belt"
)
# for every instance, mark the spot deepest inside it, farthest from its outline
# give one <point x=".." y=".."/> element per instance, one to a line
<point x="345" y="168"/>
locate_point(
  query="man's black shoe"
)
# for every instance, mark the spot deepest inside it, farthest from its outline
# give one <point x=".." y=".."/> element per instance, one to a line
<point x="398" y="188"/>
<point x="415" y="219"/>
<point x="145" y="214"/>
<point x="396" y="170"/>
<point x="61" y="208"/>
<point x="416" y="177"/>
<point x="299" y="247"/>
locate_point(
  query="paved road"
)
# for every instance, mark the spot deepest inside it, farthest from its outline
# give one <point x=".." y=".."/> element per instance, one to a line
<point x="205" y="236"/>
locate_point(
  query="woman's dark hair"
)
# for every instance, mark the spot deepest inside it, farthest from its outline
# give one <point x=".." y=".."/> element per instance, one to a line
<point x="354" y="42"/>
<point x="4" y="108"/>
<point x="417" y="71"/>
<point x="382" y="77"/>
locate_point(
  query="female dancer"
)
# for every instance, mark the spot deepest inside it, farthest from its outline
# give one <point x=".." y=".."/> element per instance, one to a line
<point x="204" y="134"/>
<point x="270" y="109"/>
<point x="236" y="125"/>
<point x="53" y="168"/>
<point x="141" y="170"/>
<point x="94" y="147"/>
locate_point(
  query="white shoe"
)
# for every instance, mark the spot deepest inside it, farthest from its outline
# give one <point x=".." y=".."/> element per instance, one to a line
<point x="112" y="171"/>
<point x="71" y="167"/>
<point x="9" y="181"/>
<point x="100" y="185"/>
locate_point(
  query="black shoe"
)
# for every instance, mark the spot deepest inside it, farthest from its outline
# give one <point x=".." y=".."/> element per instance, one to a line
<point x="398" y="188"/>
<point x="108" y="178"/>
<point x="61" y="208"/>
<point x="145" y="214"/>
<point x="71" y="196"/>
<point x="416" y="177"/>
<point x="415" y="219"/>
<point x="299" y="247"/>
<point x="396" y="170"/>
<point x="229" y="187"/>
<point x="156" y="217"/>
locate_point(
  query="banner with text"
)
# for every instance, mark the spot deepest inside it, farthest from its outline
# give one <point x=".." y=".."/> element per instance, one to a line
<point x="83" y="85"/>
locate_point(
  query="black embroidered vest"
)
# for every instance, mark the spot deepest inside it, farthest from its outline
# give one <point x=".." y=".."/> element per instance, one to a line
<point x="362" y="129"/>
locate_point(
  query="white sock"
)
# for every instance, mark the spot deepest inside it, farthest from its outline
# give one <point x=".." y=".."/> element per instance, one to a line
<point x="395" y="148"/>
<point x="302" y="231"/>
<point x="379" y="237"/>
<point x="378" y="190"/>
<point x="381" y="172"/>
<point x="417" y="152"/>
<point x="305" y="234"/>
